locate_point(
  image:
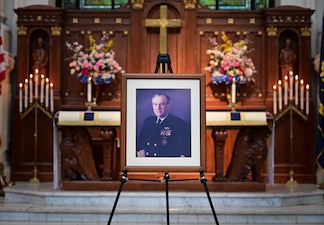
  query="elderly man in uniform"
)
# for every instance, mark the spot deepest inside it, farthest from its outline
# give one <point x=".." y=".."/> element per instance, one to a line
<point x="163" y="135"/>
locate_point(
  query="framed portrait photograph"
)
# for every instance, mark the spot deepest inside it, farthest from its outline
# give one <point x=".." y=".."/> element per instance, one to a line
<point x="163" y="122"/>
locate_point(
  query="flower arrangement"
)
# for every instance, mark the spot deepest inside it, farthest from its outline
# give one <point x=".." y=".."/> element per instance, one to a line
<point x="228" y="61"/>
<point x="97" y="62"/>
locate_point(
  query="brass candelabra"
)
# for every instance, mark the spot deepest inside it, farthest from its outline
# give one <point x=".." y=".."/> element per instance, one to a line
<point x="38" y="96"/>
<point x="292" y="104"/>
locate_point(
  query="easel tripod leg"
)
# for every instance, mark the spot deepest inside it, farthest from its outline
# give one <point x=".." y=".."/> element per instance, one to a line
<point x="166" y="179"/>
<point x="122" y="181"/>
<point x="203" y="181"/>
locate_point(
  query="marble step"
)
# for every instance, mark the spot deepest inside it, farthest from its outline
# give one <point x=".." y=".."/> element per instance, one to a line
<point x="274" y="196"/>
<point x="302" y="214"/>
<point x="279" y="204"/>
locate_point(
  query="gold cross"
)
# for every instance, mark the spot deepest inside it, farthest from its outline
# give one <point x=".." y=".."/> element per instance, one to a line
<point x="163" y="23"/>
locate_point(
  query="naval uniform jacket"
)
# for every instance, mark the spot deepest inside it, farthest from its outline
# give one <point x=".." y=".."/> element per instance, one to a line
<point x="170" y="138"/>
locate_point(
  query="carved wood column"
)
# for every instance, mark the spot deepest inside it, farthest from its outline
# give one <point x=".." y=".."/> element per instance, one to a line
<point x="219" y="136"/>
<point x="109" y="136"/>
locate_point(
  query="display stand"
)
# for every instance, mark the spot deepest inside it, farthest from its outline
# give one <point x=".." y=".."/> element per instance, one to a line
<point x="166" y="178"/>
<point x="162" y="61"/>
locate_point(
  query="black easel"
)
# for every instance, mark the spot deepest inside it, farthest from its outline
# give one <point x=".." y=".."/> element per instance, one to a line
<point x="203" y="180"/>
<point x="161" y="61"/>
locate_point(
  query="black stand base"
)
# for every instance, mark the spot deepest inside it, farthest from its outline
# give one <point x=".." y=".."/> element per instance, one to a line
<point x="161" y="61"/>
<point x="203" y="180"/>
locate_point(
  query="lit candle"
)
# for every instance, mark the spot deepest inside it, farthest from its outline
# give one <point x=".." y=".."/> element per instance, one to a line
<point x="89" y="91"/>
<point x="286" y="90"/>
<point x="20" y="97"/>
<point x="296" y="90"/>
<point x="233" y="91"/>
<point x="51" y="98"/>
<point x="280" y="94"/>
<point x="26" y="93"/>
<point x="291" y="81"/>
<point x="301" y="94"/>
<point x="307" y="99"/>
<point x="42" y="89"/>
<point x="36" y="83"/>
<point x="46" y="92"/>
<point x="274" y="99"/>
<point x="31" y="88"/>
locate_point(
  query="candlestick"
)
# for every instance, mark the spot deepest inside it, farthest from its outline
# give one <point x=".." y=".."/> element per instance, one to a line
<point x="89" y="91"/>
<point x="31" y="88"/>
<point x="286" y="90"/>
<point x="296" y="90"/>
<point x="20" y="97"/>
<point x="274" y="99"/>
<point x="26" y="93"/>
<point x="233" y="91"/>
<point x="280" y="94"/>
<point x="307" y="99"/>
<point x="42" y="89"/>
<point x="51" y="98"/>
<point x="301" y="94"/>
<point x="46" y="92"/>
<point x="291" y="81"/>
<point x="36" y="83"/>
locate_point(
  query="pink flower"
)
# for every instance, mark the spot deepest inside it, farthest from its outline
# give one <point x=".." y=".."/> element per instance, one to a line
<point x="98" y="64"/>
<point x="236" y="64"/>
<point x="72" y="64"/>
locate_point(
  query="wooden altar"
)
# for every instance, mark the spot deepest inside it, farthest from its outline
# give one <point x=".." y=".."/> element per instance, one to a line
<point x="137" y="47"/>
<point x="219" y="122"/>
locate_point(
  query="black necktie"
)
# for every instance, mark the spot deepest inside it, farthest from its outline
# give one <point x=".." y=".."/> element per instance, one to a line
<point x="158" y="121"/>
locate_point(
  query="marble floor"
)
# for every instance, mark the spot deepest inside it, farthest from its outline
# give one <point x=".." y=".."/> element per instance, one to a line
<point x="26" y="204"/>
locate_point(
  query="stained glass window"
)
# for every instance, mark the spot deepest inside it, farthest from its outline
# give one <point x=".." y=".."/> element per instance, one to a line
<point x="90" y="4"/>
<point x="99" y="4"/>
<point x="237" y="4"/>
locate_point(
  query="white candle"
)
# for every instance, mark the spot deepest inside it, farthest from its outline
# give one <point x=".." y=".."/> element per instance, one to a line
<point x="291" y="81"/>
<point x="286" y="90"/>
<point x="233" y="91"/>
<point x="20" y="97"/>
<point x="31" y="88"/>
<point x="301" y="94"/>
<point x="36" y="83"/>
<point x="46" y="92"/>
<point x="89" y="91"/>
<point x="280" y="94"/>
<point x="307" y="99"/>
<point x="51" y="98"/>
<point x="274" y="100"/>
<point x="42" y="89"/>
<point x="26" y="93"/>
<point x="296" y="90"/>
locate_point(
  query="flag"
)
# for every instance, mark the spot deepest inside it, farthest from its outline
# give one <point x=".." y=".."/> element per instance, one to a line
<point x="320" y="120"/>
<point x="2" y="63"/>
